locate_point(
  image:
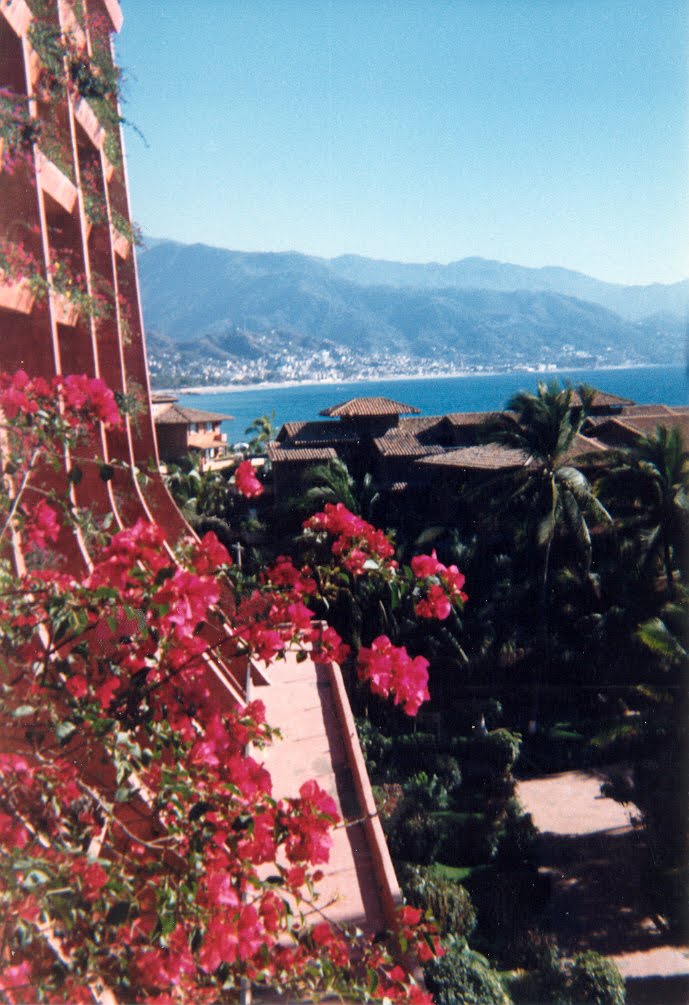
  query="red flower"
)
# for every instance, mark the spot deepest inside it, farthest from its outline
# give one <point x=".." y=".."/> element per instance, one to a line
<point x="424" y="566"/>
<point x="392" y="671"/>
<point x="246" y="481"/>
<point x="42" y="526"/>
<point x="209" y="554"/>
<point x="435" y="604"/>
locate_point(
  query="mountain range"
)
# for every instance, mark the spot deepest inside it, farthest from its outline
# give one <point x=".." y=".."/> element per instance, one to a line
<point x="214" y="314"/>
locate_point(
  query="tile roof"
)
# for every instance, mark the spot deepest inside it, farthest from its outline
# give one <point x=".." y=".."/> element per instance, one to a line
<point x="371" y="407"/>
<point x="585" y="445"/>
<point x="403" y="444"/>
<point x="646" y="425"/>
<point x="299" y="455"/>
<point x="301" y="433"/>
<point x="489" y="456"/>
<point x="646" y="410"/>
<point x="469" y="418"/>
<point x="420" y="424"/>
<point x="176" y="415"/>
<point x="602" y="398"/>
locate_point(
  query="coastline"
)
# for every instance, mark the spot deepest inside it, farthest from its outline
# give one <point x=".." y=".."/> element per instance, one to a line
<point x="334" y="381"/>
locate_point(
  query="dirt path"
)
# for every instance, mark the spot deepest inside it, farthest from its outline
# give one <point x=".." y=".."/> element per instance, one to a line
<point x="594" y="857"/>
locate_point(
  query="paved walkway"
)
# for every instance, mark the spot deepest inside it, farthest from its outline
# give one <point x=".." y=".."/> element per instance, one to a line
<point x="594" y="859"/>
<point x="301" y="702"/>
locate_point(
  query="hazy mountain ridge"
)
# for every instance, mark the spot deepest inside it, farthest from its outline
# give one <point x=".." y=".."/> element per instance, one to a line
<point x="631" y="302"/>
<point x="204" y="304"/>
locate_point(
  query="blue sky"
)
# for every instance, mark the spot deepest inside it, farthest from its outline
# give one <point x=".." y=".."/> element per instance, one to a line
<point x="540" y="132"/>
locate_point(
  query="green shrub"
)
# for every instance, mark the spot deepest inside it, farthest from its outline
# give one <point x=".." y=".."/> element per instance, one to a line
<point x="464" y="977"/>
<point x="448" y="902"/>
<point x="376" y="747"/>
<point x="426" y="792"/>
<point x="500" y="748"/>
<point x="468" y="839"/>
<point x="416" y="839"/>
<point x="534" y="949"/>
<point x="447" y="768"/>
<point x="519" y="836"/>
<point x="595" y="980"/>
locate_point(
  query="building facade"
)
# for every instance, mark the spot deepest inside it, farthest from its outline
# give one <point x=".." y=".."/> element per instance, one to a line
<point x="69" y="303"/>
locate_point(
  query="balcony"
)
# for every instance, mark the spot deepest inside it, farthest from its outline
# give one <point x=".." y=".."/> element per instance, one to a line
<point x="114" y="13"/>
<point x="65" y="311"/>
<point x="17" y="296"/>
<point x="55" y="184"/>
<point x="88" y="120"/>
<point x="120" y="243"/>
<point x="17" y="14"/>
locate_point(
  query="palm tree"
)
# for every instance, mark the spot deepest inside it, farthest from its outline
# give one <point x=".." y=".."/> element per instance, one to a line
<point x="261" y="432"/>
<point x="542" y="428"/>
<point x="553" y="495"/>
<point x="333" y="483"/>
<point x="654" y="476"/>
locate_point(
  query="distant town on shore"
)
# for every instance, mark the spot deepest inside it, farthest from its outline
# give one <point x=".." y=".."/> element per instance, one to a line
<point x="216" y="317"/>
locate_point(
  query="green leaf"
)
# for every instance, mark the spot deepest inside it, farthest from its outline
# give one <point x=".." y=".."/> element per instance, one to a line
<point x="106" y="472"/>
<point x="75" y="474"/>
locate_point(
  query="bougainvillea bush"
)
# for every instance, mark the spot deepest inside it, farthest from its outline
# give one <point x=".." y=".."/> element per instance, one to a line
<point x="142" y="852"/>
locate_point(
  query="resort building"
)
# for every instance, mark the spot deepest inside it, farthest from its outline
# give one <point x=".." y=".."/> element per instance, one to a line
<point x="69" y="303"/>
<point x="182" y="431"/>
<point x="410" y="456"/>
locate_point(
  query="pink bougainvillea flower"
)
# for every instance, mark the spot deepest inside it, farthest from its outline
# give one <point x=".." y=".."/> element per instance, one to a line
<point x="41" y="526"/>
<point x="246" y="481"/>
<point x="435" y="605"/>
<point x="392" y="672"/>
<point x="424" y="566"/>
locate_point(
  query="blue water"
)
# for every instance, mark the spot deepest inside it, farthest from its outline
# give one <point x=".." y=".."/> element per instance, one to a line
<point x="646" y="385"/>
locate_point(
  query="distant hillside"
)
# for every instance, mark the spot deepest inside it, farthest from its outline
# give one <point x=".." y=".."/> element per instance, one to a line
<point x="214" y="304"/>
<point x="635" y="303"/>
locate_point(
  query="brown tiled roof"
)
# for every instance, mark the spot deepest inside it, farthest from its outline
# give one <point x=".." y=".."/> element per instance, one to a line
<point x="489" y="456"/>
<point x="419" y="424"/>
<point x="626" y="428"/>
<point x="584" y="445"/>
<point x="646" y="410"/>
<point x="646" y="425"/>
<point x="603" y="398"/>
<point x="370" y="406"/>
<point x="403" y="444"/>
<point x="299" y="455"/>
<point x="160" y="397"/>
<point x="302" y="433"/>
<point x="289" y="429"/>
<point x="468" y="418"/>
<point x="176" y="415"/>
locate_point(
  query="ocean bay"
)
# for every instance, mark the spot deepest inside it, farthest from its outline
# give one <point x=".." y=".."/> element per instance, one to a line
<point x="668" y="385"/>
